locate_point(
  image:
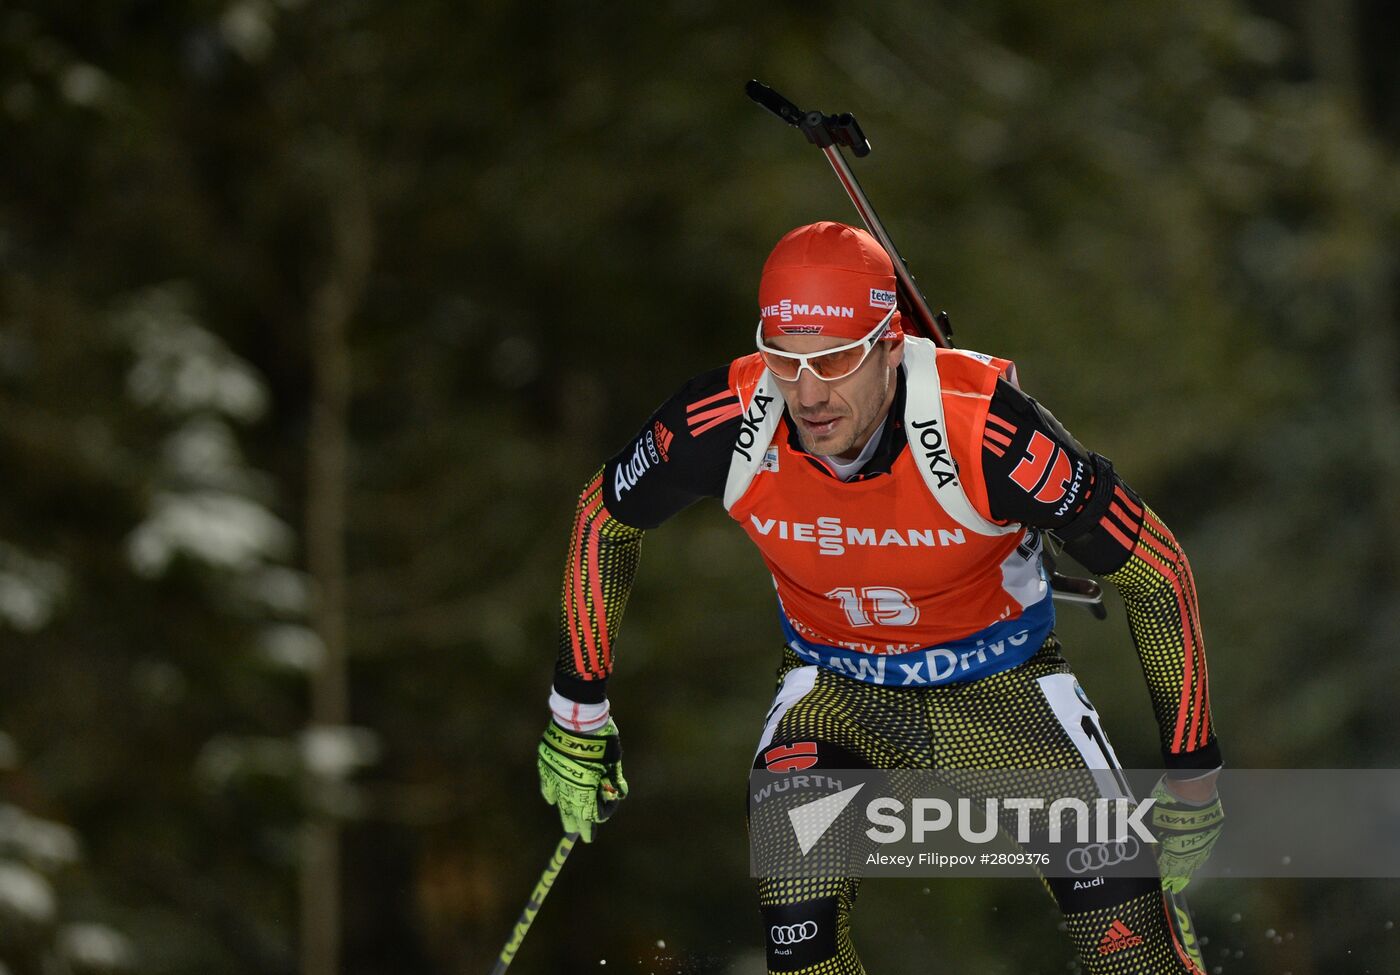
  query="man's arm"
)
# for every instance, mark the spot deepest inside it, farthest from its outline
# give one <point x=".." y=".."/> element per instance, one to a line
<point x="602" y="562"/>
<point x="680" y="455"/>
<point x="1036" y="473"/>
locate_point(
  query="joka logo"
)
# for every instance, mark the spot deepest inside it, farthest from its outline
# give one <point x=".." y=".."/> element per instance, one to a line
<point x="1044" y="472"/>
<point x="1118" y="937"/>
<point x="749" y="423"/>
<point x="935" y="453"/>
<point x="793" y="934"/>
<point x="791" y="758"/>
<point x="811" y="820"/>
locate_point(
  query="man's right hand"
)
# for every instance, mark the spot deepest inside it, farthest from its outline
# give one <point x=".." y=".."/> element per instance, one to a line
<point x="1187" y="819"/>
<point x="581" y="773"/>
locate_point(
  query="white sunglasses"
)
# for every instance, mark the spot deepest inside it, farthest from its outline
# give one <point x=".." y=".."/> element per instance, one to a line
<point x="827" y="365"/>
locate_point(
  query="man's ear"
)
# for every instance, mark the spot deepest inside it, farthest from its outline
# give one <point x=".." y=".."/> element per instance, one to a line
<point x="896" y="354"/>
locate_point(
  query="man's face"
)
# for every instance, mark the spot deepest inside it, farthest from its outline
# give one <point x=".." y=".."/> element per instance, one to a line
<point x="837" y="418"/>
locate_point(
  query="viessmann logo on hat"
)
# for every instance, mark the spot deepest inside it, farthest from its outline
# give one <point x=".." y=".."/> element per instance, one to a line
<point x="784" y="310"/>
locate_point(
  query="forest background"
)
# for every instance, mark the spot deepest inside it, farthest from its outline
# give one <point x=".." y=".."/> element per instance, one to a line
<point x="315" y="316"/>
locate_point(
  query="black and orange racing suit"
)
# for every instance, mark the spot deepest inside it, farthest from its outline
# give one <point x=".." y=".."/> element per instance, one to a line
<point x="1008" y="719"/>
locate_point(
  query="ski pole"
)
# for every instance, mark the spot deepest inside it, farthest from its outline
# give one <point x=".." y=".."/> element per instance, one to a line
<point x="1179" y="918"/>
<point x="537" y="896"/>
<point x="829" y="133"/>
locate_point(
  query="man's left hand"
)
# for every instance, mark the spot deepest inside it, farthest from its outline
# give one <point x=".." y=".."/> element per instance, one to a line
<point x="1187" y="822"/>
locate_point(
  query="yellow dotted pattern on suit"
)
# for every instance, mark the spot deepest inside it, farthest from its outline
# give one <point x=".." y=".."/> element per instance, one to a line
<point x="1159" y="594"/>
<point x="603" y="554"/>
<point x="995" y="722"/>
<point x="876" y="723"/>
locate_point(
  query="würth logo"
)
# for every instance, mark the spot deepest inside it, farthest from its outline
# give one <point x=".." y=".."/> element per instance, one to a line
<point x="1118" y="937"/>
<point x="1045" y="471"/>
<point x="791" y="758"/>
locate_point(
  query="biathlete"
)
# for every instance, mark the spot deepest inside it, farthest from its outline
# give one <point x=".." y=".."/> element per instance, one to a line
<point x="899" y="494"/>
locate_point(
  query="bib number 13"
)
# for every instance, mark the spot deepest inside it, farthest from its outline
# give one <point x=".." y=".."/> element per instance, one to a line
<point x="871" y="605"/>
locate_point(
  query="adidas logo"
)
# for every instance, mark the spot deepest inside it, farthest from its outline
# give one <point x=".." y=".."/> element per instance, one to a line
<point x="1118" y="937"/>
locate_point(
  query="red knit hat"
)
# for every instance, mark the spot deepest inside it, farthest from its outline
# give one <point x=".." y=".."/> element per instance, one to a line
<point x="827" y="279"/>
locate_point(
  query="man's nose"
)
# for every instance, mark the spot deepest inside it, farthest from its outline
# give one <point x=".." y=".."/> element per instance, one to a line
<point x="811" y="391"/>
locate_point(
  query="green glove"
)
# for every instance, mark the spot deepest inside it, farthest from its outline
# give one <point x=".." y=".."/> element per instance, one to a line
<point x="582" y="775"/>
<point x="1187" y="832"/>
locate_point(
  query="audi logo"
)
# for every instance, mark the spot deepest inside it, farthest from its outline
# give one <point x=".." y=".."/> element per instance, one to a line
<point x="791" y="934"/>
<point x="1096" y="856"/>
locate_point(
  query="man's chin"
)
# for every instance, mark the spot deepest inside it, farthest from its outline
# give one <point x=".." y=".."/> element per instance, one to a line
<point x="836" y="442"/>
